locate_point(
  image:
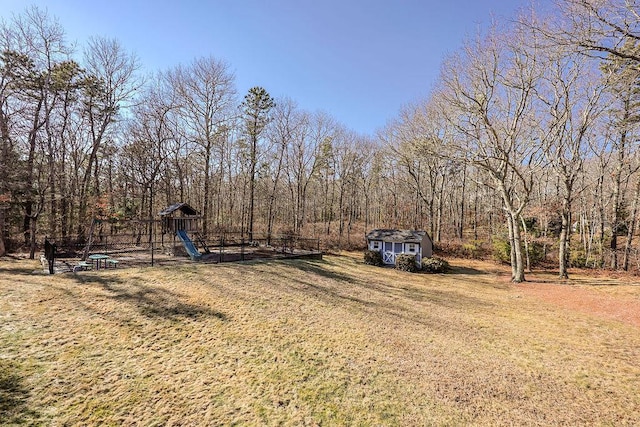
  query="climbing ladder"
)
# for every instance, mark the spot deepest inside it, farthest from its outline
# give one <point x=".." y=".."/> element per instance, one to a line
<point x="202" y="243"/>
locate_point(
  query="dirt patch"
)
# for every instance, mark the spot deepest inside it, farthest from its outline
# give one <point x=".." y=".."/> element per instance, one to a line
<point x="612" y="295"/>
<point x="142" y="258"/>
<point x="594" y="296"/>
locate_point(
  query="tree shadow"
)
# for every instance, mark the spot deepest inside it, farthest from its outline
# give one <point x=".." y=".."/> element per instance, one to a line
<point x="552" y="277"/>
<point x="20" y="271"/>
<point x="319" y="267"/>
<point x="595" y="282"/>
<point x="13" y="396"/>
<point x="379" y="296"/>
<point x="159" y="303"/>
<point x="150" y="301"/>
<point x="466" y="270"/>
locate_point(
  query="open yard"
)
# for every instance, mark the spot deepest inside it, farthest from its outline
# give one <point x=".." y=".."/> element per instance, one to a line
<point x="310" y="342"/>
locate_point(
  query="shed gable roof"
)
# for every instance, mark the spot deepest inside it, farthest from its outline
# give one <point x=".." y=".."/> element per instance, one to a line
<point x="404" y="236"/>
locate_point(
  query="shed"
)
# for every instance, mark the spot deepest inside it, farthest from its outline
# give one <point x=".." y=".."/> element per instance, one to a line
<point x="391" y="243"/>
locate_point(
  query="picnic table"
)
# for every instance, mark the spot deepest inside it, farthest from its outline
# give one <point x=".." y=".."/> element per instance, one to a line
<point x="99" y="259"/>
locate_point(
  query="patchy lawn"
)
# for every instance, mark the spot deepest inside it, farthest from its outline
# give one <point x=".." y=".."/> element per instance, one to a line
<point x="332" y="342"/>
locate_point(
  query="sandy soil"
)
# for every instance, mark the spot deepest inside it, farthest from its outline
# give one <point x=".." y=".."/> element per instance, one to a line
<point x="586" y="298"/>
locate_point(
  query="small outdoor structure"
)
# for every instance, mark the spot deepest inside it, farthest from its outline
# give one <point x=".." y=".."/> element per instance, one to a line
<point x="391" y="243"/>
<point x="180" y="216"/>
<point x="180" y="219"/>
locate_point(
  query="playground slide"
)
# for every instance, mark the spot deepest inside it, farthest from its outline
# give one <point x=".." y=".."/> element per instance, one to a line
<point x="189" y="246"/>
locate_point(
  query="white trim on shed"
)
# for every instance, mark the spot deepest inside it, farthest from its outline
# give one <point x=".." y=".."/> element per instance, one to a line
<point x="391" y="243"/>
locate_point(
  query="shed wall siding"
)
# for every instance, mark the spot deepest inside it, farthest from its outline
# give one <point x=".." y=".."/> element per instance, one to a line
<point x="389" y="249"/>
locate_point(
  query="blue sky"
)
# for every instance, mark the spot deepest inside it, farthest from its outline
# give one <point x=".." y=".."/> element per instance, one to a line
<point x="360" y="61"/>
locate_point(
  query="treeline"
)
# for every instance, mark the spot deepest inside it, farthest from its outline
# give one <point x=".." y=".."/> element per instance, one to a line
<point x="544" y="112"/>
<point x="528" y="139"/>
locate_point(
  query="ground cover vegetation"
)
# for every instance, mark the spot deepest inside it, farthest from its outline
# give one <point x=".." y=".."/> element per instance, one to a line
<point x="324" y="342"/>
<point x="528" y="138"/>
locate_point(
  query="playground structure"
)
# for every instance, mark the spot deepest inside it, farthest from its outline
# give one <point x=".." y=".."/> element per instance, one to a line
<point x="180" y="219"/>
<point x="175" y="238"/>
<point x="189" y="246"/>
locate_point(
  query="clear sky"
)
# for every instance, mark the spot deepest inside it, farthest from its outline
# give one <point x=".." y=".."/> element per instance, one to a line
<point x="358" y="60"/>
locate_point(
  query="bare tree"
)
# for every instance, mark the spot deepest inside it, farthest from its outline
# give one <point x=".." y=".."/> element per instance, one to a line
<point x="419" y="142"/>
<point x="150" y="132"/>
<point x="349" y="156"/>
<point x="34" y="51"/>
<point x="110" y="85"/>
<point x="571" y="92"/>
<point x="205" y="93"/>
<point x="624" y="115"/>
<point x="487" y="93"/>
<point x="286" y="123"/>
<point x="303" y="161"/>
<point x="598" y="28"/>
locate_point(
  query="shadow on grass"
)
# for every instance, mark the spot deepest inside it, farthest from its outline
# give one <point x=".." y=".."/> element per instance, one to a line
<point x="158" y="303"/>
<point x="465" y="270"/>
<point x="394" y="298"/>
<point x="20" y="271"/>
<point x="319" y="267"/>
<point x="151" y="301"/>
<point x="595" y="282"/>
<point x="552" y="277"/>
<point x="90" y="278"/>
<point x="13" y="396"/>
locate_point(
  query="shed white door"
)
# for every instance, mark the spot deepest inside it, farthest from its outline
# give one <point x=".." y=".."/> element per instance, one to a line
<point x="388" y="257"/>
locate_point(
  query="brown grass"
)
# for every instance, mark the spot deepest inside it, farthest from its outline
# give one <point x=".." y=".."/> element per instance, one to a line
<point x="332" y="342"/>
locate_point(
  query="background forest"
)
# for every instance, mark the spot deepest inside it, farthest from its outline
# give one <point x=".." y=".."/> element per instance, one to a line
<point x="526" y="146"/>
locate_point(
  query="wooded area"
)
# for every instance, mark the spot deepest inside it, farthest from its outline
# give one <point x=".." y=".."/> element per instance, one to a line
<point x="529" y="139"/>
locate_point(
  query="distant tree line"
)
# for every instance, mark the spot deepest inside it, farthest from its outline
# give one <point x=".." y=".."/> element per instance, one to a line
<point x="529" y="138"/>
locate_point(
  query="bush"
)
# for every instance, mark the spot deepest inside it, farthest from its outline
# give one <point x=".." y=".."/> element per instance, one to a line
<point x="536" y="253"/>
<point x="435" y="265"/>
<point x="406" y="262"/>
<point x="372" y="258"/>
<point x="578" y="259"/>
<point x="472" y="249"/>
<point x="502" y="251"/>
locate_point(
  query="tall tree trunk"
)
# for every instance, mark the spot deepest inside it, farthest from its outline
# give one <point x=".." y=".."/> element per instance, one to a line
<point x="601" y="216"/>
<point x="515" y="234"/>
<point x="252" y="183"/>
<point x="563" y="252"/>
<point x="272" y="198"/>
<point x="29" y="202"/>
<point x="512" y="245"/>
<point x="517" y="245"/>
<point x="207" y="185"/>
<point x="526" y="243"/>
<point x="462" y="202"/>
<point x="565" y="233"/>
<point x="632" y="226"/>
<point x="617" y="196"/>
<point x="341" y="210"/>
<point x="475" y="212"/>
<point x="32" y="236"/>
<point x="615" y="223"/>
<point x="440" y="209"/>
<point x="3" y="248"/>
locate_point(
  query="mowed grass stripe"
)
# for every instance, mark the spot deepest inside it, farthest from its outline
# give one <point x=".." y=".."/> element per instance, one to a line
<point x="302" y="342"/>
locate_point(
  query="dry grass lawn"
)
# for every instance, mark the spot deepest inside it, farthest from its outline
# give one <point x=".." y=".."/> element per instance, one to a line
<point x="299" y="342"/>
